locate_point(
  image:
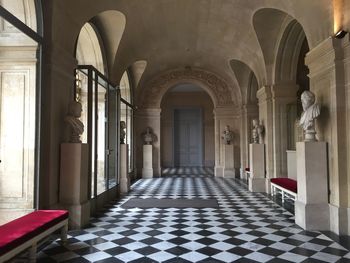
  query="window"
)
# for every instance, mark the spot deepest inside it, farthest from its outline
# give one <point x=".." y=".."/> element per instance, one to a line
<point x="126" y="111"/>
<point x="20" y="46"/>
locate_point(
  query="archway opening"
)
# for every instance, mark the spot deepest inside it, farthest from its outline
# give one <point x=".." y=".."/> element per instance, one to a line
<point x="187" y="127"/>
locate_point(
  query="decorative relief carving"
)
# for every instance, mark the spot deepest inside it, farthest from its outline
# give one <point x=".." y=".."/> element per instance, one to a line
<point x="154" y="90"/>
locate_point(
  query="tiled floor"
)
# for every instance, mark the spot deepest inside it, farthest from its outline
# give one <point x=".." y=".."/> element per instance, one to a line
<point x="247" y="227"/>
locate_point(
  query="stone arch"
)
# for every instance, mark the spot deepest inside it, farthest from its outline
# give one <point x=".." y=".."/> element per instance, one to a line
<point x="246" y="79"/>
<point x="287" y="56"/>
<point x="274" y="29"/>
<point x="90" y="48"/>
<point x="221" y="93"/>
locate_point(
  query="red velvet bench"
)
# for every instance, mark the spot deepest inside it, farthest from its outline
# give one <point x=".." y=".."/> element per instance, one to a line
<point x="286" y="186"/>
<point x="25" y="232"/>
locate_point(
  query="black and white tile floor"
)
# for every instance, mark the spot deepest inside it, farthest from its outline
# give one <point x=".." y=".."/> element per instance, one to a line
<point x="247" y="227"/>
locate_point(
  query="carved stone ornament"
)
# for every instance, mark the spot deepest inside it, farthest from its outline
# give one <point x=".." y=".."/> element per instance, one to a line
<point x="227" y="135"/>
<point x="257" y="132"/>
<point x="311" y="111"/>
<point x="73" y="126"/>
<point x="122" y="132"/>
<point x="219" y="89"/>
<point x="148" y="136"/>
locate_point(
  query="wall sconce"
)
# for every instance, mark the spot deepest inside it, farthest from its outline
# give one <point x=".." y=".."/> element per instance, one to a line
<point x="340" y="34"/>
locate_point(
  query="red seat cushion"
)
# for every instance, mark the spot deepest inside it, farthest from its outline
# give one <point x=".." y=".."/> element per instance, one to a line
<point x="24" y="228"/>
<point x="286" y="183"/>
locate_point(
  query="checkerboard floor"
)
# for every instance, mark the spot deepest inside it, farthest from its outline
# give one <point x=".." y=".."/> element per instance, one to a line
<point x="247" y="227"/>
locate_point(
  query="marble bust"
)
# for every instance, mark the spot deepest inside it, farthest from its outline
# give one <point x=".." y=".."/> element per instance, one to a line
<point x="122" y="132"/>
<point x="148" y="136"/>
<point x="257" y="131"/>
<point x="227" y="135"/>
<point x="311" y="110"/>
<point x="73" y="126"/>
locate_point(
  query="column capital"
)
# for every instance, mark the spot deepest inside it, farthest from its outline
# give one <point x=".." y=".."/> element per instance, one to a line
<point x="264" y="93"/>
<point x="229" y="111"/>
<point x="147" y="113"/>
<point x="284" y="90"/>
<point x="322" y="58"/>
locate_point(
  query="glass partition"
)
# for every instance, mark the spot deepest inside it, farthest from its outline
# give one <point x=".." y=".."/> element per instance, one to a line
<point x="97" y="97"/>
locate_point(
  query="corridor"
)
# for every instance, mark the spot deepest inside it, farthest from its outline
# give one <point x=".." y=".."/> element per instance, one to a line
<point x="246" y="227"/>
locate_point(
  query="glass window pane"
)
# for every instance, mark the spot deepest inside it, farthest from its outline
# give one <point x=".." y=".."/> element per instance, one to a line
<point x="112" y="140"/>
<point x="129" y="136"/>
<point x="101" y="147"/>
<point x="24" y="10"/>
<point x="82" y="97"/>
<point x="125" y="87"/>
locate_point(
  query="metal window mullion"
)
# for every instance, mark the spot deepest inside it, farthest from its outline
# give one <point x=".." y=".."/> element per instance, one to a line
<point x="118" y="102"/>
<point x="4" y="13"/>
<point x="90" y="105"/>
<point x="96" y="134"/>
<point x="106" y="125"/>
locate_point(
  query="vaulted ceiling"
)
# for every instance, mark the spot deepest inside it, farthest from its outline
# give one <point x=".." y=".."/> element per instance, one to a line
<point x="208" y="34"/>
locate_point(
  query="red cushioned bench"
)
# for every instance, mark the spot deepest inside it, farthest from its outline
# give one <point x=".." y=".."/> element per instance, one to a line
<point x="286" y="186"/>
<point x="25" y="232"/>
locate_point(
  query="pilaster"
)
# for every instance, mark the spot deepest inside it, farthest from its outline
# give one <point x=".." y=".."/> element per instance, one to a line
<point x="282" y="95"/>
<point x="264" y="95"/>
<point x="248" y="113"/>
<point x="329" y="78"/>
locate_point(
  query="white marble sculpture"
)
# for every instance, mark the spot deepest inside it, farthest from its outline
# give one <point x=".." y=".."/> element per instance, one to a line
<point x="227" y="135"/>
<point x="148" y="136"/>
<point x="311" y="112"/>
<point x="122" y="132"/>
<point x="257" y="131"/>
<point x="73" y="126"/>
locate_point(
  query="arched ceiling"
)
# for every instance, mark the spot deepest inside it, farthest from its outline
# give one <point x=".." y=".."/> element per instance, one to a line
<point x="206" y="34"/>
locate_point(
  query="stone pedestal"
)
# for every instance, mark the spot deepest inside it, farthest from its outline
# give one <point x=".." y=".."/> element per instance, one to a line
<point x="311" y="206"/>
<point x="147" y="170"/>
<point x="124" y="175"/>
<point x="74" y="183"/>
<point x="229" y="161"/>
<point x="257" y="182"/>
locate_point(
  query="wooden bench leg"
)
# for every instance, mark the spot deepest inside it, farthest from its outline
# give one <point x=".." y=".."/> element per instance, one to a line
<point x="32" y="253"/>
<point x="64" y="232"/>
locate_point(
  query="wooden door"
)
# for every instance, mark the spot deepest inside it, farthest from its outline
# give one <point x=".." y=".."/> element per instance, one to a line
<point x="188" y="137"/>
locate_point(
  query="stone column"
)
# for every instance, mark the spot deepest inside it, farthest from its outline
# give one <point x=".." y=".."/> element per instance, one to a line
<point x="311" y="206"/>
<point x="124" y="176"/>
<point x="256" y="182"/>
<point x="74" y="183"/>
<point x="330" y="81"/>
<point x="248" y="113"/>
<point x="148" y="118"/>
<point x="264" y="96"/>
<point x="147" y="170"/>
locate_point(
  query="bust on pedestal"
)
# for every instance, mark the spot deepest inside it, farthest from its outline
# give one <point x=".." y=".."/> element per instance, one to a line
<point x="229" y="169"/>
<point x="124" y="185"/>
<point x="311" y="206"/>
<point x="74" y="170"/>
<point x="148" y="138"/>
<point x="256" y="180"/>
